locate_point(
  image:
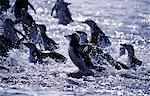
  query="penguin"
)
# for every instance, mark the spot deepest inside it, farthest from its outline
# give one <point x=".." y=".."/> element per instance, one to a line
<point x="56" y="7"/>
<point x="19" y="5"/>
<point x="4" y="5"/>
<point x="37" y="55"/>
<point x="11" y="32"/>
<point x="132" y="60"/>
<point x="76" y="57"/>
<point x="49" y="44"/>
<point x="97" y="53"/>
<point x="62" y="12"/>
<point x="29" y="26"/>
<point x="98" y="38"/>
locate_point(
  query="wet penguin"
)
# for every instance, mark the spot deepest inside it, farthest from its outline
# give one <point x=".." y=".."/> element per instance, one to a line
<point x="49" y="44"/>
<point x="36" y="55"/>
<point x="75" y="56"/>
<point x="62" y="12"/>
<point x="19" y="5"/>
<point x="98" y="38"/>
<point x="132" y="60"/>
<point x="97" y="53"/>
<point x="4" y="5"/>
<point x="11" y="32"/>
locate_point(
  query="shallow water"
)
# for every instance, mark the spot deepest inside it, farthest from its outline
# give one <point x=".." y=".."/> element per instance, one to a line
<point x="124" y="21"/>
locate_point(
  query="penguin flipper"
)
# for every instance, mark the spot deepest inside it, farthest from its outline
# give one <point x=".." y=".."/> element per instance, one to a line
<point x="57" y="57"/>
<point x="123" y="65"/>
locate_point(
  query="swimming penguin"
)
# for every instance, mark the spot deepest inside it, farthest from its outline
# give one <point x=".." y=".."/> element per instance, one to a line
<point x="19" y="5"/>
<point x="49" y="44"/>
<point x="10" y="31"/>
<point x="75" y="56"/>
<point x="97" y="36"/>
<point x="37" y="55"/>
<point x="62" y="12"/>
<point x="4" y="5"/>
<point x="132" y="60"/>
<point x="97" y="53"/>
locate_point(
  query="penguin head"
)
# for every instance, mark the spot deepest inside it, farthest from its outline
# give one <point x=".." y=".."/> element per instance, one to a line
<point x="90" y="22"/>
<point x="128" y="47"/>
<point x="73" y="37"/>
<point x="82" y="34"/>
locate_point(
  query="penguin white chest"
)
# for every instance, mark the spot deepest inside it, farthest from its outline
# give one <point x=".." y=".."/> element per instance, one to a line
<point x="78" y="61"/>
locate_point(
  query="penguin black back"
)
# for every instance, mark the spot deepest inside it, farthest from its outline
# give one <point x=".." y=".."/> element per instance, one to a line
<point x="97" y="36"/>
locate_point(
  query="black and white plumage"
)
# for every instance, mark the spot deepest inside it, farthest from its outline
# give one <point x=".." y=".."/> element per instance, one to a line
<point x="97" y="53"/>
<point x="49" y="44"/>
<point x="19" y="5"/>
<point x="97" y="36"/>
<point x="62" y="12"/>
<point x="76" y="55"/>
<point x="38" y="55"/>
<point x="132" y="60"/>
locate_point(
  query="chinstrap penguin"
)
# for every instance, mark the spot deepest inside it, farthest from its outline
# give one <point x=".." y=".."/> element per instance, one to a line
<point x="49" y="44"/>
<point x="98" y="38"/>
<point x="132" y="60"/>
<point x="76" y="56"/>
<point x="62" y="12"/>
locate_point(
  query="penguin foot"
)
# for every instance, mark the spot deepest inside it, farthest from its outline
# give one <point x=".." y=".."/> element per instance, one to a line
<point x="79" y="74"/>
